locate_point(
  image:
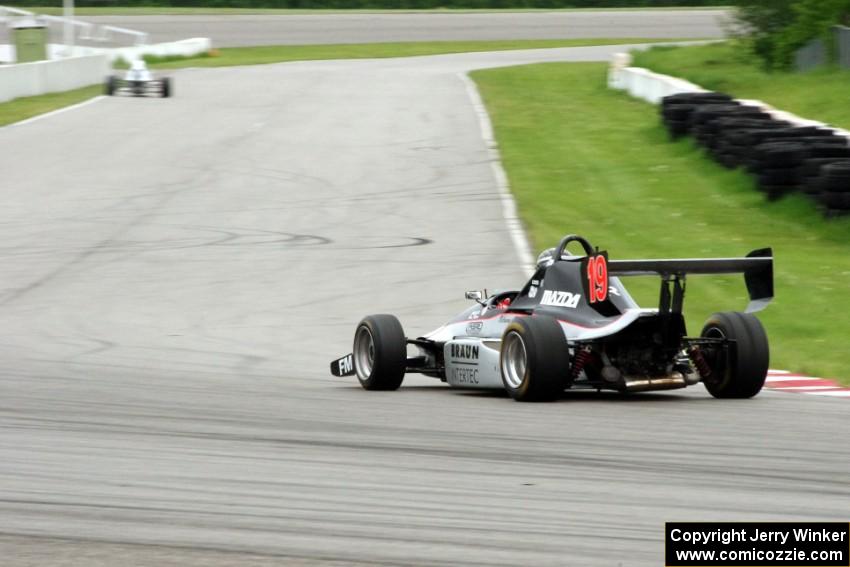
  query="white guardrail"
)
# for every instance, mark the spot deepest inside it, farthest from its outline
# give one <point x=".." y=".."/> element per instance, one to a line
<point x="40" y="77"/>
<point x="652" y="87"/>
<point x="88" y="31"/>
<point x="6" y="10"/>
<point x="105" y="33"/>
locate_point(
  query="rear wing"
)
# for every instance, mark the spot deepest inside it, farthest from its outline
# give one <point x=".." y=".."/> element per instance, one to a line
<point x="757" y="268"/>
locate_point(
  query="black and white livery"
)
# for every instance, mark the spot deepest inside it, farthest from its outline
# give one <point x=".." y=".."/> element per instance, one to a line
<point x="574" y="325"/>
<point x="138" y="81"/>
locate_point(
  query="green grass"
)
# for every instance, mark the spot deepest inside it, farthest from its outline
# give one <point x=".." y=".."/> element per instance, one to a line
<point x="26" y="107"/>
<point x="584" y="159"/>
<point x="281" y="53"/>
<point x="822" y="94"/>
<point x="190" y="11"/>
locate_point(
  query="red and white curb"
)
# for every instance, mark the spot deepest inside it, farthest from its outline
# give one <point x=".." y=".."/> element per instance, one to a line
<point x="784" y="381"/>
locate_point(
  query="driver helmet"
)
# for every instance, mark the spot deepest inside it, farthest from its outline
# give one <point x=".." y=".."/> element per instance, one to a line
<point x="547" y="257"/>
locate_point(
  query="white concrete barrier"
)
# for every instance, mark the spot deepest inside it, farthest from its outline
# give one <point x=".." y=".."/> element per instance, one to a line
<point x="42" y="77"/>
<point x="183" y="48"/>
<point x="26" y="79"/>
<point x="652" y="87"/>
<point x="645" y="84"/>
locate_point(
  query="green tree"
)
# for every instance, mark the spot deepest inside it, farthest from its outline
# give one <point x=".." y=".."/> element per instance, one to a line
<point x="776" y="29"/>
<point x="760" y="22"/>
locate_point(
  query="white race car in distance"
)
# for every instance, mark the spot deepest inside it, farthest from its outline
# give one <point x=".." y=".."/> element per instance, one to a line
<point x="138" y="81"/>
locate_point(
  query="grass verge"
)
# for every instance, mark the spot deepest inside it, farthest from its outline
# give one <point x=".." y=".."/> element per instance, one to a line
<point x="584" y="159"/>
<point x="282" y="53"/>
<point x="26" y="107"/>
<point x="820" y="94"/>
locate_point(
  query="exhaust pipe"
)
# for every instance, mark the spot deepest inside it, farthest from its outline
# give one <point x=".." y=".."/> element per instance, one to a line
<point x="646" y="384"/>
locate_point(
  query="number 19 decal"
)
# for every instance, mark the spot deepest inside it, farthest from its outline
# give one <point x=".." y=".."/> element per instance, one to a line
<point x="597" y="278"/>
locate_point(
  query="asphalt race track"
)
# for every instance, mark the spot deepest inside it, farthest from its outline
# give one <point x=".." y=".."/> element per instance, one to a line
<point x="227" y="31"/>
<point x="178" y="274"/>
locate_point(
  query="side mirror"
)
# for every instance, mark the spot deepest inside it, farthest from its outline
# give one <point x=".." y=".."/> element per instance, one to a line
<point x="477" y="295"/>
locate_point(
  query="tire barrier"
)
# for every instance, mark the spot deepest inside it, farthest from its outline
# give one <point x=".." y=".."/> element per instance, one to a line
<point x="834" y="187"/>
<point x="782" y="156"/>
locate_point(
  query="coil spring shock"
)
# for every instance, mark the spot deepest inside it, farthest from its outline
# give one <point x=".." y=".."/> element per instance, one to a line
<point x="702" y="366"/>
<point x="582" y="357"/>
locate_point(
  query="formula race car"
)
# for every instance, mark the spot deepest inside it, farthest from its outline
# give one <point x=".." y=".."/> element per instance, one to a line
<point x="575" y="326"/>
<point x="138" y="81"/>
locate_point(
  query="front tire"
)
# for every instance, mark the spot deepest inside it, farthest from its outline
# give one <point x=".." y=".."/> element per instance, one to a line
<point x="166" y="87"/>
<point x="535" y="359"/>
<point x="109" y="87"/>
<point x="741" y="370"/>
<point x="380" y="352"/>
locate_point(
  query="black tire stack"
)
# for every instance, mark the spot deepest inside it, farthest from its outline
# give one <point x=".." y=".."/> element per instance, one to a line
<point x="775" y="163"/>
<point x="834" y="185"/>
<point x="734" y="146"/>
<point x="676" y="109"/>
<point x="781" y="157"/>
<point x="710" y="122"/>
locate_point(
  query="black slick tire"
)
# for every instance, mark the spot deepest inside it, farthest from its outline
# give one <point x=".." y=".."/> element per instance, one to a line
<point x="534" y="359"/>
<point x="380" y="352"/>
<point x="740" y="370"/>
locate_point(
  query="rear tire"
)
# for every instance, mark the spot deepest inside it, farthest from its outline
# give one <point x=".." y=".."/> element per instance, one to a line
<point x="535" y="359"/>
<point x="109" y="87"/>
<point x="741" y="370"/>
<point x="380" y="352"/>
<point x="166" y="87"/>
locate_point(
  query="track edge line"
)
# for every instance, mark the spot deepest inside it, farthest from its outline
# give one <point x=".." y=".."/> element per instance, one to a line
<point x="509" y="207"/>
